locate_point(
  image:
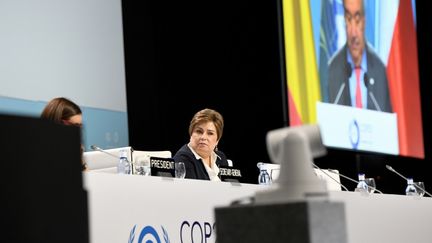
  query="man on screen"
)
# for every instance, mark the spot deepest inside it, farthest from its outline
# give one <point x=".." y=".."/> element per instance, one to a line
<point x="357" y="76"/>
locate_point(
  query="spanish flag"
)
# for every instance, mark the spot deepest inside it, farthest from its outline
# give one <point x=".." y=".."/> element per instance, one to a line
<point x="301" y="66"/>
<point x="402" y="72"/>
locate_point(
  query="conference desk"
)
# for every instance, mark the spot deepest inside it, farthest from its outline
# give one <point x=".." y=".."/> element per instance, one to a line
<point x="126" y="207"/>
<point x="130" y="208"/>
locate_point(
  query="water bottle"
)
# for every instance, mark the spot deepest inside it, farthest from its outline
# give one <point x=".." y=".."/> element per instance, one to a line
<point x="361" y="186"/>
<point x="124" y="166"/>
<point x="263" y="177"/>
<point x="410" y="189"/>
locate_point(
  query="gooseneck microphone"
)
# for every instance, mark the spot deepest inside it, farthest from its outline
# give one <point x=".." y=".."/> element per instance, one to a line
<point x="366" y="80"/>
<point x="348" y="178"/>
<point x="96" y="148"/>
<point x="399" y="174"/>
<point x="339" y="94"/>
<point x="314" y="165"/>
<point x="341" y="88"/>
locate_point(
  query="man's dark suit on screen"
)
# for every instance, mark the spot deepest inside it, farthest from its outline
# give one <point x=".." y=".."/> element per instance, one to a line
<point x="378" y="97"/>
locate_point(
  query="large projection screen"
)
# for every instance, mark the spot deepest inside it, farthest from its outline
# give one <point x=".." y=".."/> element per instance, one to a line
<point x="369" y="104"/>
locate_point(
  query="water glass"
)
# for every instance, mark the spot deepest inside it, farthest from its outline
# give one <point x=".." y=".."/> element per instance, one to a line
<point x="142" y="165"/>
<point x="180" y="170"/>
<point x="420" y="186"/>
<point x="274" y="174"/>
<point x="371" y="184"/>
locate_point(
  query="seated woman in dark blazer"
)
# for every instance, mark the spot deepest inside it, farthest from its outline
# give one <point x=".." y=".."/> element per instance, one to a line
<point x="200" y="155"/>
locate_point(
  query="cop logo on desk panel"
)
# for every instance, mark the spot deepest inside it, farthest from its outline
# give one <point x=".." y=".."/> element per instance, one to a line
<point x="148" y="235"/>
<point x="194" y="231"/>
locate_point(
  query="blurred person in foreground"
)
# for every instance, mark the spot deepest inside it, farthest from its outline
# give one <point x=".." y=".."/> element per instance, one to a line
<point x="201" y="156"/>
<point x="63" y="111"/>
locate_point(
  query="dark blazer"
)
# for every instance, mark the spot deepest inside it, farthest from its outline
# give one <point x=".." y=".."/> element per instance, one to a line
<point x="339" y="73"/>
<point x="195" y="168"/>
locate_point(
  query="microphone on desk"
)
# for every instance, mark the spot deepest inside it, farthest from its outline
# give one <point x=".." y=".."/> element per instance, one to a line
<point x="368" y="80"/>
<point x="397" y="173"/>
<point x="314" y="165"/>
<point x="96" y="148"/>
<point x="348" y="178"/>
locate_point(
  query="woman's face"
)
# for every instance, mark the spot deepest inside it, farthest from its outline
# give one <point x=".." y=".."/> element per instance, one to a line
<point x="204" y="138"/>
<point x="75" y="120"/>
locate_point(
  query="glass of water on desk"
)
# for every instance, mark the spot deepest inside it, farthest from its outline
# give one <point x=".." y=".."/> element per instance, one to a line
<point x="142" y="165"/>
<point x="371" y="185"/>
<point x="420" y="186"/>
<point x="179" y="170"/>
<point x="274" y="174"/>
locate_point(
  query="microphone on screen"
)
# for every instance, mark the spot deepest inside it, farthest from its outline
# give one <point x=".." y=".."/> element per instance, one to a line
<point x="368" y="80"/>
<point x="342" y="87"/>
<point x="400" y="175"/>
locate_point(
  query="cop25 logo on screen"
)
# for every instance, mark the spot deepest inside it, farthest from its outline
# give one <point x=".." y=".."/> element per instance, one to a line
<point x="354" y="134"/>
<point x="148" y="235"/>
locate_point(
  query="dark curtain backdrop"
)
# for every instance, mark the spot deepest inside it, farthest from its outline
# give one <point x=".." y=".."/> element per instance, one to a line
<point x="182" y="57"/>
<point x="185" y="56"/>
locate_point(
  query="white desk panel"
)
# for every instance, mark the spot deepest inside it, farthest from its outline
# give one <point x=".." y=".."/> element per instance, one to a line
<point x="174" y="208"/>
<point x="131" y="208"/>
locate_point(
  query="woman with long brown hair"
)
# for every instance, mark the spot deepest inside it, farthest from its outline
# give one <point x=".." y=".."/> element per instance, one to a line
<point x="63" y="111"/>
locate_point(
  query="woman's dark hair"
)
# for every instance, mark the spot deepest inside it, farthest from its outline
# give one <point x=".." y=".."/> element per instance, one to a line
<point x="59" y="109"/>
<point x="208" y="115"/>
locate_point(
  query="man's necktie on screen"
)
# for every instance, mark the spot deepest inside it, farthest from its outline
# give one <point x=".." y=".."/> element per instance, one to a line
<point x="358" y="90"/>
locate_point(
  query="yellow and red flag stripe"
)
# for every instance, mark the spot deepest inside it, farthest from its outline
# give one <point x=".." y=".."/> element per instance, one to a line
<point x="301" y="65"/>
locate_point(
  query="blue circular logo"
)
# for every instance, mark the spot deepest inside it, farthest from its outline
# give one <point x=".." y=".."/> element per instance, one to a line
<point x="354" y="134"/>
<point x="148" y="230"/>
<point x="150" y="234"/>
